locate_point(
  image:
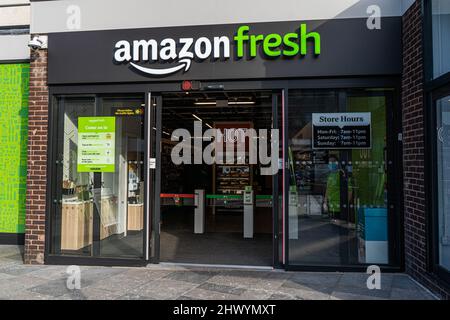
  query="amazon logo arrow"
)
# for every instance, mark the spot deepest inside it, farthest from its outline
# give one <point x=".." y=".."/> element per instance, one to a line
<point x="183" y="64"/>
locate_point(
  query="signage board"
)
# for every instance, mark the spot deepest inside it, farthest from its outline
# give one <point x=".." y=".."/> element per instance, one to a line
<point x="289" y="49"/>
<point x="96" y="144"/>
<point x="128" y="111"/>
<point x="350" y="130"/>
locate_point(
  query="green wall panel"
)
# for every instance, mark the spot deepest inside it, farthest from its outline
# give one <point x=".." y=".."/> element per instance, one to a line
<point x="14" y="85"/>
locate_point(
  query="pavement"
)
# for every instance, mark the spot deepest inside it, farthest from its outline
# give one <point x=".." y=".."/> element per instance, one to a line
<point x="164" y="282"/>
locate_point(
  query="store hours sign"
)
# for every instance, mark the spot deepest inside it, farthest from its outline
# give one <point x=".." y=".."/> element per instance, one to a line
<point x="96" y="144"/>
<point x="342" y="130"/>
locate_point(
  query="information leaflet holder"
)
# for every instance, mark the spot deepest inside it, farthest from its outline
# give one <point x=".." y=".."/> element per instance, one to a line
<point x="249" y="207"/>
<point x="293" y="213"/>
<point x="199" y="211"/>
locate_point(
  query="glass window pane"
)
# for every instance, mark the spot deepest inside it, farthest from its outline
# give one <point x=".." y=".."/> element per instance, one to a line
<point x="100" y="191"/>
<point x="122" y="191"/>
<point x="443" y="149"/>
<point x="72" y="231"/>
<point x="441" y="36"/>
<point x="338" y="212"/>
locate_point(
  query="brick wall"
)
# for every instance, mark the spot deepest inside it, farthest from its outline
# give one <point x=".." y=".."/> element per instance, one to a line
<point x="37" y="159"/>
<point x="413" y="152"/>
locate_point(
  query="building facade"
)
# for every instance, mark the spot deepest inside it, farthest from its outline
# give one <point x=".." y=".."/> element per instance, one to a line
<point x="14" y="79"/>
<point x="338" y="96"/>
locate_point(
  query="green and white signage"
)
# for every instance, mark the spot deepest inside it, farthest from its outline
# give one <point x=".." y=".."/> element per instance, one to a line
<point x="187" y="49"/>
<point x="96" y="144"/>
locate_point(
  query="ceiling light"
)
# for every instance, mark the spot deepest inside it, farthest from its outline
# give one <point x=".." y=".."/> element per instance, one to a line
<point x="212" y="103"/>
<point x="241" y="102"/>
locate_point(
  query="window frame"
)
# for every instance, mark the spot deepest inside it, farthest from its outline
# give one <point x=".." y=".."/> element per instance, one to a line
<point x="434" y="89"/>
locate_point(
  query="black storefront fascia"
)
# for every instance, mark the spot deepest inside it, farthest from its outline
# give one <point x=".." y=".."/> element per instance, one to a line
<point x="352" y="56"/>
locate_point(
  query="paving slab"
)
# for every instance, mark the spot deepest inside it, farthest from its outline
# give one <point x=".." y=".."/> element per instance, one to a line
<point x="202" y="294"/>
<point x="304" y="293"/>
<point x="11" y="287"/>
<point x="406" y="294"/>
<point x="132" y="296"/>
<point x="197" y="277"/>
<point x="163" y="289"/>
<point x="57" y="287"/>
<point x="222" y="288"/>
<point x="91" y="293"/>
<point x="11" y="250"/>
<point x="18" y="281"/>
<point x="120" y="283"/>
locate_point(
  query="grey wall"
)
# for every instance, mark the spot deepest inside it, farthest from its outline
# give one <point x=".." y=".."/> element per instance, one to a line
<point x="54" y="16"/>
<point x="14" y="16"/>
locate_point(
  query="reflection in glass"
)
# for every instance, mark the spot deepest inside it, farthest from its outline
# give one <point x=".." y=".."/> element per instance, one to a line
<point x="76" y="217"/>
<point x="101" y="212"/>
<point x="441" y="36"/>
<point x="337" y="196"/>
<point x="443" y="162"/>
<point x="122" y="191"/>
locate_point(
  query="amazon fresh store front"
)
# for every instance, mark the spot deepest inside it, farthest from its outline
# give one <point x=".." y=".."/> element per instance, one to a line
<point x="253" y="142"/>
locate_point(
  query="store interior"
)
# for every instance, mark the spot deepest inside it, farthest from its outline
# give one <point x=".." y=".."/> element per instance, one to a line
<point x="222" y="241"/>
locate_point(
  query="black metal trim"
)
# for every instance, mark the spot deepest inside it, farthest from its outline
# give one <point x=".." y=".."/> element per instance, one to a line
<point x="15" y="61"/>
<point x="14" y="30"/>
<point x="395" y="149"/>
<point x="239" y="85"/>
<point x="12" y="239"/>
<point x="275" y="193"/>
<point x="340" y="268"/>
<point x="17" y="4"/>
<point x="147" y="233"/>
<point x="157" y="210"/>
<point x="444" y="276"/>
<point x="97" y="261"/>
<point x="285" y="213"/>
<point x="155" y="121"/>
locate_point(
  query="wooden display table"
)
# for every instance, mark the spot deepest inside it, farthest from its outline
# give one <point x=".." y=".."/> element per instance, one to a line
<point x="77" y="223"/>
<point x="135" y="217"/>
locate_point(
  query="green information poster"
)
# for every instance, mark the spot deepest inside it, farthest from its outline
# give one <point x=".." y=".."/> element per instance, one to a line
<point x="96" y="143"/>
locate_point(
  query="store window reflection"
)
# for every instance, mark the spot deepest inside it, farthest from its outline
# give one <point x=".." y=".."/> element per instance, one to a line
<point x="338" y="212"/>
<point x="99" y="198"/>
<point x="441" y="36"/>
<point x="443" y="177"/>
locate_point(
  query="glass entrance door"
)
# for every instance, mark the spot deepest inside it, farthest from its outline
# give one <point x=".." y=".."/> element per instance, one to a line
<point x="99" y="204"/>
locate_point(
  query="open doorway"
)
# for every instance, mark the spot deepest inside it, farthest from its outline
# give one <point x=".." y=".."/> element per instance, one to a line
<point x="227" y="235"/>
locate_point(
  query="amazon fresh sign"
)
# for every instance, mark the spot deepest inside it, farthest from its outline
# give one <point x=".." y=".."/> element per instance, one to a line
<point x="143" y="54"/>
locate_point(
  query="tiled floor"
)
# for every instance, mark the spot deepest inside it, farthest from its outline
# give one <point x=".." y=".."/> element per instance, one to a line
<point x="18" y="281"/>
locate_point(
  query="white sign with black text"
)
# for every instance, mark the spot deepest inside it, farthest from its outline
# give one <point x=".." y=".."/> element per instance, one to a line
<point x="351" y="130"/>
